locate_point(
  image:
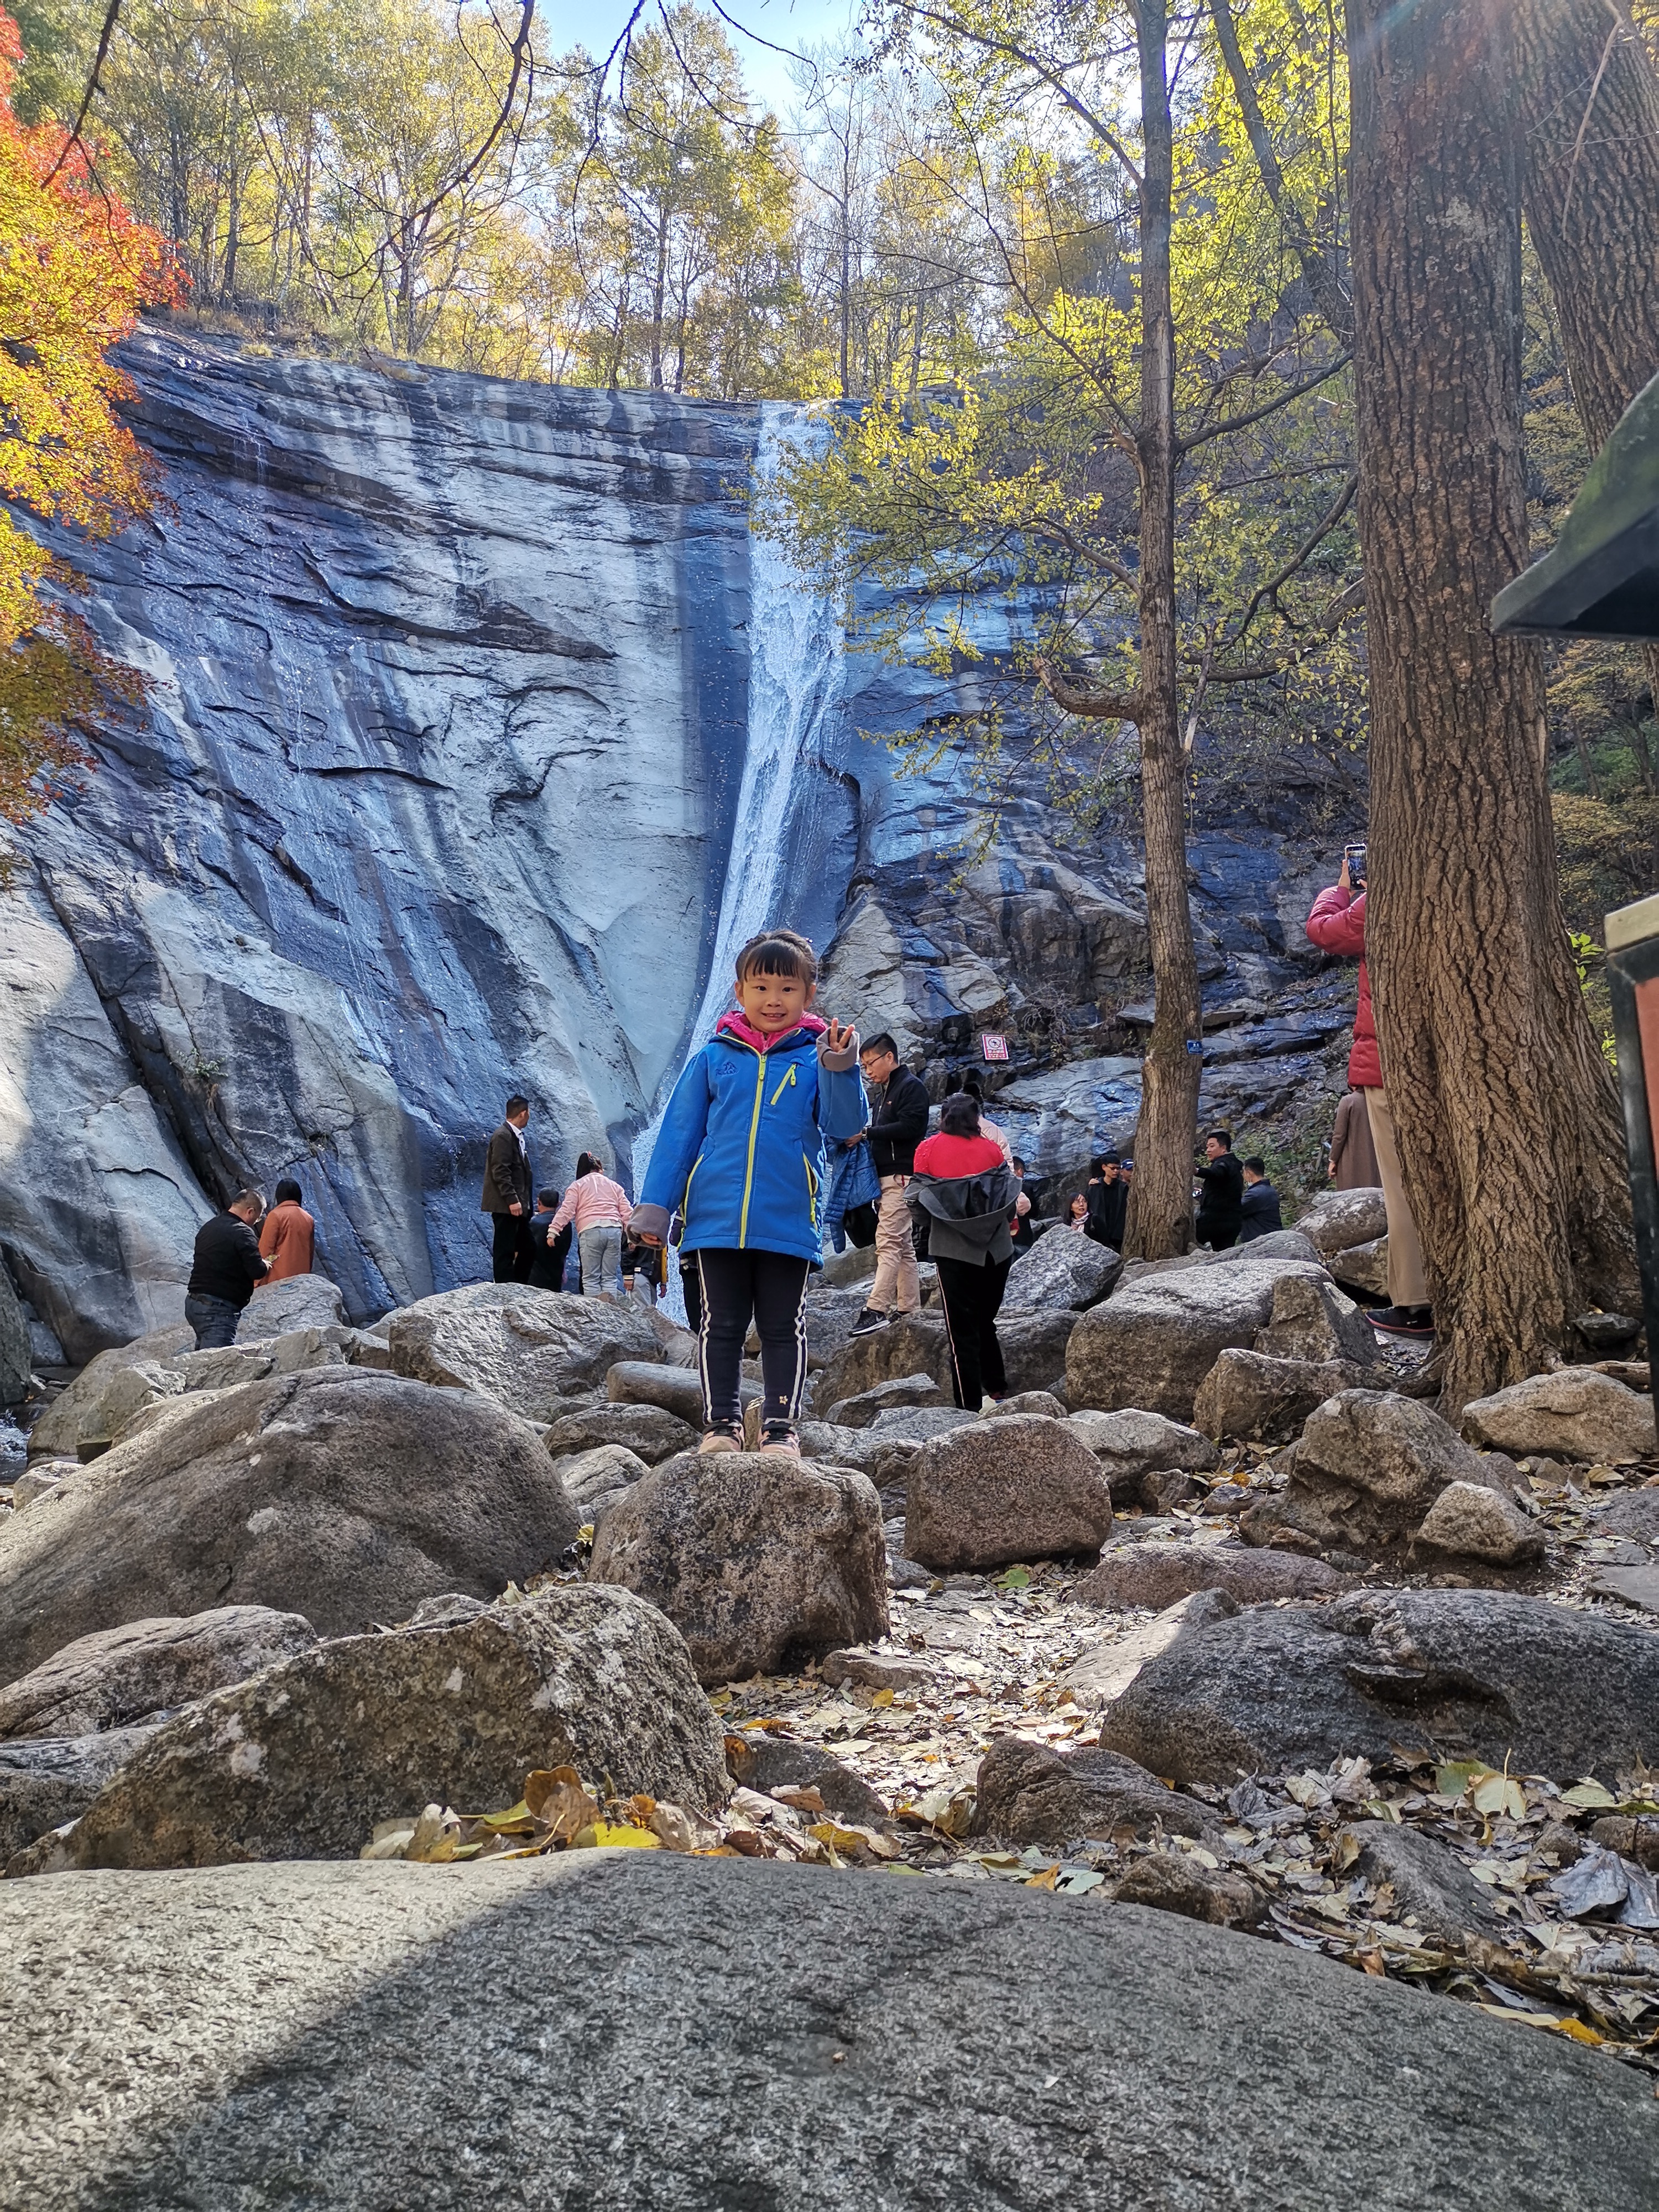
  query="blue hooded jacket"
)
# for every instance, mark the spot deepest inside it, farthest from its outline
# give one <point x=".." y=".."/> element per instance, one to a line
<point x="741" y="1149"/>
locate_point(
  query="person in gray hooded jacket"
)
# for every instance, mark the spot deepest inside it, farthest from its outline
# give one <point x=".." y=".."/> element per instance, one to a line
<point x="968" y="1194"/>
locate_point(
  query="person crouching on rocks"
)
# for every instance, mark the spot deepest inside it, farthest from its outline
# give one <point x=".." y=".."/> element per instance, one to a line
<point x="742" y="1152"/>
<point x="969" y="1195"/>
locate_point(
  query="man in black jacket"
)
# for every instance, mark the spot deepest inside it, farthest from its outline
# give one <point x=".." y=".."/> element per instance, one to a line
<point x="1259" y="1215"/>
<point x="1221" y="1194"/>
<point x="896" y="1126"/>
<point x="223" y="1269"/>
<point x="506" y="1197"/>
<point x="1108" y="1197"/>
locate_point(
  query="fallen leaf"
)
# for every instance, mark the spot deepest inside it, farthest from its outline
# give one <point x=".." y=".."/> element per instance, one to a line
<point x="561" y="1801"/>
<point x="607" y="1835"/>
<point x="1046" y="1880"/>
<point x="1496" y="1794"/>
<point x="517" y="1820"/>
<point x="1589" y="1796"/>
<point x="803" y="1800"/>
<point x="1016" y="1578"/>
<point x="671" y="1826"/>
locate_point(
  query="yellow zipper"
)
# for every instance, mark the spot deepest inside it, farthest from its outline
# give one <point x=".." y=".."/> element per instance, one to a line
<point x="787" y="1084"/>
<point x="754" y="1130"/>
<point x="811" y="1191"/>
<point x="685" y="1195"/>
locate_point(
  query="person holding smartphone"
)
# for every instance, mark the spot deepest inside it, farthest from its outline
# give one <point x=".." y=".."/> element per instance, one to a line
<point x="1337" y="924"/>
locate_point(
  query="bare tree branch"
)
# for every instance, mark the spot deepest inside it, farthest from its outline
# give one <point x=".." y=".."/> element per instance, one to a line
<point x="91" y="93"/>
<point x="1088" y="700"/>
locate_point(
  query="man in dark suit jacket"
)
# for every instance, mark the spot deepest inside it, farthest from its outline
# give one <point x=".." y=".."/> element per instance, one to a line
<point x="507" y="1190"/>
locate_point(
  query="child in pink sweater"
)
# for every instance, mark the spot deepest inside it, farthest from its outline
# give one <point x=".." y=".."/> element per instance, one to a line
<point x="600" y="1209"/>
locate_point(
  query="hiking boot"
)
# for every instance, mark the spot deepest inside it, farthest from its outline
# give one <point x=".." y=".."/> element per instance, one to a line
<point x="721" y="1439"/>
<point x="781" y="1443"/>
<point x="1402" y="1320"/>
<point x="868" y="1322"/>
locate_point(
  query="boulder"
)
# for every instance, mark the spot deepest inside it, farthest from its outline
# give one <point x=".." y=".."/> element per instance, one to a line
<point x="1469" y="1522"/>
<point x="1029" y="1793"/>
<point x="369" y="2035"/>
<point x="1153" y="1342"/>
<point x="81" y="1411"/>
<point x="1636" y="1514"/>
<point x="1159" y="1575"/>
<point x="1034" y="1347"/>
<point x="1278" y="1246"/>
<point x="297" y="1301"/>
<point x="1254" y="1396"/>
<point x="1367" y="1468"/>
<point x="47" y="1780"/>
<point x="1061" y="1270"/>
<point x="651" y="1433"/>
<point x="1312" y="1320"/>
<point x="303" y="1761"/>
<point x="1432" y="1889"/>
<point x="1167" y="1882"/>
<point x="837" y="1447"/>
<point x="874" y="1670"/>
<point x="16" y="1355"/>
<point x="769" y="1763"/>
<point x="904" y="1390"/>
<point x="1363" y="1268"/>
<point x="1336" y="1220"/>
<point x="1574" y="1413"/>
<point x="1132" y="1444"/>
<point x="118" y="1676"/>
<point x="1483" y="1673"/>
<point x="919" y="1425"/>
<point x="345" y="1495"/>
<point x="677" y="1390"/>
<point x="997" y="1491"/>
<point x="911" y="1343"/>
<point x="524" y="1348"/>
<point x="1026" y="1401"/>
<point x="595" y="1480"/>
<point x="1101" y="1672"/>
<point x="761" y="1562"/>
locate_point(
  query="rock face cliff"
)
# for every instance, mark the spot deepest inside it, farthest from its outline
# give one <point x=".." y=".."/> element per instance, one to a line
<point x="477" y="727"/>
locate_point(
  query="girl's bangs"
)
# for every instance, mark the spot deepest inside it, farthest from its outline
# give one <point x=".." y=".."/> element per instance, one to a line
<point x="775" y="956"/>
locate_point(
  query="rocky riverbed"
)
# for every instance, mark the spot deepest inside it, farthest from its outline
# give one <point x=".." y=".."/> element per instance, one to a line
<point x="355" y="1664"/>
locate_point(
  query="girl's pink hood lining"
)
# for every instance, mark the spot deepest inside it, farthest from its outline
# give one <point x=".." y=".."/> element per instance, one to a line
<point x="740" y="1026"/>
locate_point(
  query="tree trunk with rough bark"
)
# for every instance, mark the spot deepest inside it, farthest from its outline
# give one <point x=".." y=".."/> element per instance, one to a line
<point x="1588" y="110"/>
<point x="1161" y="1198"/>
<point x="1506" y="1113"/>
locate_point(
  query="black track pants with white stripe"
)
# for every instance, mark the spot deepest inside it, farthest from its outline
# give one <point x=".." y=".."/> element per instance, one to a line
<point x="770" y="1288"/>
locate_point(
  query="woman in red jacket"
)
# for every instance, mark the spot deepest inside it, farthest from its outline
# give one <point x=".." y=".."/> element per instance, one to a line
<point x="968" y="1191"/>
<point x="1337" y="924"/>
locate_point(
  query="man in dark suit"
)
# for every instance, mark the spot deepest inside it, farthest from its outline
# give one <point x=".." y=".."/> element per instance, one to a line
<point x="506" y="1189"/>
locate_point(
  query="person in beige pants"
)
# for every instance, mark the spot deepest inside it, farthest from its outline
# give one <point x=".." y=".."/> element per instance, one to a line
<point x="897" y="1125"/>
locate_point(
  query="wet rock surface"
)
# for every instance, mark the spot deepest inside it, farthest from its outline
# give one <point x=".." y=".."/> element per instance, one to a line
<point x="755" y="1559"/>
<point x="344" y="1496"/>
<point x="303" y="1760"/>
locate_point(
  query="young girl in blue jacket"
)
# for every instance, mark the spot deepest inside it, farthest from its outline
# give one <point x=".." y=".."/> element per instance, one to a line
<point x="741" y="1153"/>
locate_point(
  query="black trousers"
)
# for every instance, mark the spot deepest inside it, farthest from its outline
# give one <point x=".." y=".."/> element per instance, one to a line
<point x="768" y="1287"/>
<point x="510" y="1248"/>
<point x="973" y="1297"/>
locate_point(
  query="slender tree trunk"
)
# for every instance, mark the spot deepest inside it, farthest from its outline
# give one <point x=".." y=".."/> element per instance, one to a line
<point x="1505" y="1114"/>
<point x="1161" y="1200"/>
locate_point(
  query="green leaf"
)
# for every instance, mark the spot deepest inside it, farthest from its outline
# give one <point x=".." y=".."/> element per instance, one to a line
<point x="1589" y="1796"/>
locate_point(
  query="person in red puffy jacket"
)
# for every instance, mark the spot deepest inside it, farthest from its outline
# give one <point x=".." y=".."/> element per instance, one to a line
<point x="1337" y="924"/>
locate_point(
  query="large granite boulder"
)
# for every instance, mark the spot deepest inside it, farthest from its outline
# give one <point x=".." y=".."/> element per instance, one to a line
<point x="1456" y="1673"/>
<point x="1153" y="1341"/>
<point x="17" y="1359"/>
<point x="996" y="1492"/>
<point x="1132" y="1444"/>
<point x="1255" y="1396"/>
<point x="593" y="1481"/>
<point x="96" y="1401"/>
<point x="46" y="1780"/>
<point x="119" y="1676"/>
<point x="527" y="1349"/>
<point x="1336" y="1220"/>
<point x="1363" y="1268"/>
<point x="1574" y="1413"/>
<point x="761" y="1561"/>
<point x="1033" y="1351"/>
<point x="386" y="2033"/>
<point x="1431" y="1884"/>
<point x="1061" y="1270"/>
<point x="1467" y="1521"/>
<point x="303" y="1760"/>
<point x="297" y="1301"/>
<point x="345" y="1495"/>
<point x="1030" y="1793"/>
<point x="677" y="1390"/>
<point x="902" y="1391"/>
<point x="1367" y="1468"/>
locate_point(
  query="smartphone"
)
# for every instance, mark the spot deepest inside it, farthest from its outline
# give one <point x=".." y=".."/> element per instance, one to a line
<point x="1355" y="857"/>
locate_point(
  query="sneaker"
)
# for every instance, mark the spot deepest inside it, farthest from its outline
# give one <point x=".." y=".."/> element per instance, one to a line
<point x="781" y="1443"/>
<point x="867" y="1323"/>
<point x="722" y="1439"/>
<point x="1402" y="1320"/>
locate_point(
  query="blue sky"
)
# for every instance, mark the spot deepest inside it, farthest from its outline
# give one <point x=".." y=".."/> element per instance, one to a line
<point x="596" y="23"/>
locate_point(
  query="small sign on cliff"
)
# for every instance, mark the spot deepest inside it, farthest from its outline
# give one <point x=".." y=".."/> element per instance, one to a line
<point x="994" y="1048"/>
